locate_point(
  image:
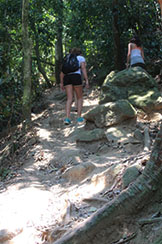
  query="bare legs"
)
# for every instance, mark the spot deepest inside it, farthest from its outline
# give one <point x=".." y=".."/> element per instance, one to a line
<point x="79" y="94"/>
<point x="76" y="101"/>
<point x="69" y="93"/>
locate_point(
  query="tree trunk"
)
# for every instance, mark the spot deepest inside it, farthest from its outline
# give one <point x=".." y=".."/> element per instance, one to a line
<point x="160" y="2"/>
<point x="159" y="240"/>
<point x="26" y="43"/>
<point x="117" y="47"/>
<point x="96" y="230"/>
<point x="58" y="44"/>
<point x="58" y="56"/>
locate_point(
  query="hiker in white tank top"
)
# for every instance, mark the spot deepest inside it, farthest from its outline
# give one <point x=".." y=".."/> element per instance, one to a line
<point x="72" y="83"/>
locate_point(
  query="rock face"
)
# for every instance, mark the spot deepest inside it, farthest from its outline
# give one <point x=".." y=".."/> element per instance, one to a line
<point x="111" y="113"/>
<point x="133" y="84"/>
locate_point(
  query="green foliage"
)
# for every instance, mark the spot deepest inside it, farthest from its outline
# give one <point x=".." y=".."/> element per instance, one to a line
<point x="10" y="102"/>
<point x="94" y="19"/>
<point x="87" y="24"/>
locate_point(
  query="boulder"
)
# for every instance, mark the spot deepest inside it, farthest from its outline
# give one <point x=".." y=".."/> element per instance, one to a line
<point x="111" y="113"/>
<point x="91" y="135"/>
<point x="121" y="135"/>
<point x="78" y="172"/>
<point x="133" y="84"/>
<point x="90" y="140"/>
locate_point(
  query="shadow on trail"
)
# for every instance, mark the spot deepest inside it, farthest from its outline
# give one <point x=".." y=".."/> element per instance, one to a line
<point x="40" y="193"/>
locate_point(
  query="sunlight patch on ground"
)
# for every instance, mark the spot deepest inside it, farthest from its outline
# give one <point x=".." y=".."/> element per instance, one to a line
<point x="44" y="134"/>
<point x="89" y="102"/>
<point x="107" y="160"/>
<point x="28" y="236"/>
<point x="68" y="130"/>
<point x="87" y="189"/>
<point x="20" y="208"/>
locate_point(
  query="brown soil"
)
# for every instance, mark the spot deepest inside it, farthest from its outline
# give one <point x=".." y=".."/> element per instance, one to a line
<point x="38" y="205"/>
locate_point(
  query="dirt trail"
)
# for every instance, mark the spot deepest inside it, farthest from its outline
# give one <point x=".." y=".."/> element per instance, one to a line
<point x="38" y="202"/>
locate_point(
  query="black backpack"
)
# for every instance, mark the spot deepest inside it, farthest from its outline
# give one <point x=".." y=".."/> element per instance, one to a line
<point x="70" y="64"/>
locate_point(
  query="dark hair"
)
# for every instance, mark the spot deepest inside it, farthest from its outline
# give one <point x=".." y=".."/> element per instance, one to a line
<point x="136" y="40"/>
<point x="76" y="51"/>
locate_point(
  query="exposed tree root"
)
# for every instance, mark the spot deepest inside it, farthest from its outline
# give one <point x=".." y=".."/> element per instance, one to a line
<point x="99" y="199"/>
<point x="96" y="230"/>
<point x="149" y="221"/>
<point x="126" y="239"/>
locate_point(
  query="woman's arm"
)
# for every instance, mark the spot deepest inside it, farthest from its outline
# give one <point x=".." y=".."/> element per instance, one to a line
<point x="84" y="71"/>
<point x="128" y="55"/>
<point x="142" y="53"/>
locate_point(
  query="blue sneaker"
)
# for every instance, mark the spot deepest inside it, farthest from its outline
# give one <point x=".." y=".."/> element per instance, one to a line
<point x="67" y="121"/>
<point x="80" y="120"/>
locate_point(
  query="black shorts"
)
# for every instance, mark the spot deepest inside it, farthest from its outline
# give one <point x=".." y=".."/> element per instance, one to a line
<point x="72" y="79"/>
<point x="142" y="65"/>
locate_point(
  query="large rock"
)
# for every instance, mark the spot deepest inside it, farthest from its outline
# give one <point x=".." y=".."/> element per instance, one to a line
<point x="91" y="135"/>
<point x="78" y="172"/>
<point x="111" y="113"/>
<point x="123" y="135"/>
<point x="133" y="84"/>
<point x="90" y="140"/>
